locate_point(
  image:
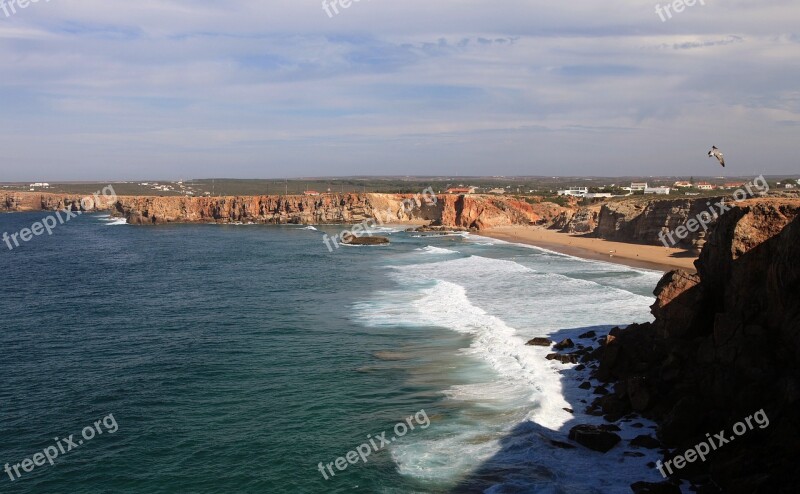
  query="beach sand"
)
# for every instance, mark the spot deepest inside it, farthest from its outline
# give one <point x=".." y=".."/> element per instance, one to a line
<point x="643" y="256"/>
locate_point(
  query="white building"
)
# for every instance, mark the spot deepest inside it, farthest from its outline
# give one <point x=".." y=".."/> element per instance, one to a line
<point x="638" y="186"/>
<point x="574" y="191"/>
<point x="40" y="184"/>
<point x="660" y="191"/>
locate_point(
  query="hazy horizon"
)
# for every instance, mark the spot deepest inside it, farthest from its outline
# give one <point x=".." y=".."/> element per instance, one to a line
<point x="161" y="90"/>
<point x="791" y="176"/>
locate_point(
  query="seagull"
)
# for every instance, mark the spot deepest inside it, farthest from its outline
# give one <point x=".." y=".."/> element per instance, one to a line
<point x="716" y="153"/>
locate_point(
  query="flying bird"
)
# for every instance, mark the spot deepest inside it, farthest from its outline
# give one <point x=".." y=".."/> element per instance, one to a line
<point x="716" y="153"/>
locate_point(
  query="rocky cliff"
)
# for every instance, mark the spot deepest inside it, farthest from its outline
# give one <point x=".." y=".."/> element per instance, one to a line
<point x="642" y="221"/>
<point x="725" y="344"/>
<point x="470" y="211"/>
<point x="482" y="212"/>
<point x="31" y="201"/>
<point x="449" y="210"/>
<point x="346" y="208"/>
<point x="581" y="220"/>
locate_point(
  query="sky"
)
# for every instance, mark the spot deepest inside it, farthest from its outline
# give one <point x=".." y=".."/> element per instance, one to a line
<point x="179" y="89"/>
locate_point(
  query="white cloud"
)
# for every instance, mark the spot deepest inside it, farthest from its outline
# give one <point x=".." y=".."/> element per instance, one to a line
<point x="195" y="88"/>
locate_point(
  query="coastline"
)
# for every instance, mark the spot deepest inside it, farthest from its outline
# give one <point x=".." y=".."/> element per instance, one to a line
<point x="634" y="255"/>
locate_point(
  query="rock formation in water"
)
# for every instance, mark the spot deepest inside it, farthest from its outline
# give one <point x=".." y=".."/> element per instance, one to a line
<point x="725" y="344"/>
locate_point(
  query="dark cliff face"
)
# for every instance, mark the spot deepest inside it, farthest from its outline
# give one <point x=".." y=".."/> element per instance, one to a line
<point x="725" y="344"/>
<point x="641" y="222"/>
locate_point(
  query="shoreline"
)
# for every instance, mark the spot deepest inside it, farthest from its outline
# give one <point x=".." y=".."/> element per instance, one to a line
<point x="634" y="255"/>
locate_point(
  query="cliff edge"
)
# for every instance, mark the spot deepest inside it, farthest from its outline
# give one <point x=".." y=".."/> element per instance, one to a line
<point x="725" y="344"/>
<point x="466" y="211"/>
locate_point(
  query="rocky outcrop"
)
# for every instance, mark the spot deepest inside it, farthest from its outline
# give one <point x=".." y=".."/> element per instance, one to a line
<point x="451" y="211"/>
<point x="594" y="437"/>
<point x="638" y="221"/>
<point x="724" y="345"/>
<point x="482" y="212"/>
<point x="583" y="220"/>
<point x="353" y="240"/>
<point x="476" y="212"/>
<point x="347" y="208"/>
<point x="540" y="341"/>
<point x="29" y="201"/>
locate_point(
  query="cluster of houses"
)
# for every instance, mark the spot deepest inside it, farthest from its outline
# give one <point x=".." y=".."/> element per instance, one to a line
<point x="635" y="187"/>
<point x="645" y="188"/>
<point x="708" y="186"/>
<point x="451" y="190"/>
<point x="183" y="189"/>
<point x="156" y="186"/>
<point x="473" y="190"/>
<point x="41" y="185"/>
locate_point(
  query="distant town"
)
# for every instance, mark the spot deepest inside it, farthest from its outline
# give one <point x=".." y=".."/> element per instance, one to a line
<point x="556" y="189"/>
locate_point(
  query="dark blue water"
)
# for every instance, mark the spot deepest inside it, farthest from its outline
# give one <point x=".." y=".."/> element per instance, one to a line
<point x="237" y="358"/>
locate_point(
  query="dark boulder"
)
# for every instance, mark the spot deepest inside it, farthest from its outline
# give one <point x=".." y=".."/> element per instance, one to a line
<point x="564" y="344"/>
<point x="564" y="358"/>
<point x="594" y="437"/>
<point x="655" y="488"/>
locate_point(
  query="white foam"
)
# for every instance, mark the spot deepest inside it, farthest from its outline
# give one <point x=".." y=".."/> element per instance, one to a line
<point x="384" y="229"/>
<point x="309" y="228"/>
<point x="116" y="221"/>
<point x="436" y="250"/>
<point x="508" y="392"/>
<point x="498" y="344"/>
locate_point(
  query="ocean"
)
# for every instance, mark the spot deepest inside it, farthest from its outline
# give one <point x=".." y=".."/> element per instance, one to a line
<point x="249" y="358"/>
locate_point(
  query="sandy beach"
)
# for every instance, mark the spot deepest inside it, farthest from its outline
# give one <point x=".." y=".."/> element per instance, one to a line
<point x="643" y="256"/>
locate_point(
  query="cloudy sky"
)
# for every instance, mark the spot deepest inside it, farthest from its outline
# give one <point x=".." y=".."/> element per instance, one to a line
<point x="168" y="89"/>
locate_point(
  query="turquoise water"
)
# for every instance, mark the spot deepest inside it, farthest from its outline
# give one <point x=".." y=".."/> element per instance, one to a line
<point x="239" y="358"/>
